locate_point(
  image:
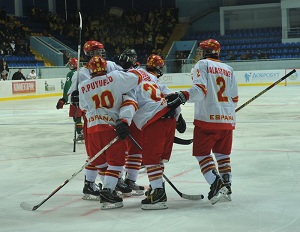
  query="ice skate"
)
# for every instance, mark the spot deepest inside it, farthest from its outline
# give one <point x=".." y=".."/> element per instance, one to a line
<point x="91" y="191"/>
<point x="227" y="184"/>
<point x="156" y="199"/>
<point x="109" y="199"/>
<point x="123" y="188"/>
<point x="136" y="189"/>
<point x="217" y="190"/>
<point x="80" y="138"/>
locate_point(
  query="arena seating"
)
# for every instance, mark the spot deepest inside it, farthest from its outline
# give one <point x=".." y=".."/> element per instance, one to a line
<point x="256" y="41"/>
<point x="22" y="61"/>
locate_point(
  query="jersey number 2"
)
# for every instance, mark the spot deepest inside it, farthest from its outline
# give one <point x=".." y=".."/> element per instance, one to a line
<point x="222" y="84"/>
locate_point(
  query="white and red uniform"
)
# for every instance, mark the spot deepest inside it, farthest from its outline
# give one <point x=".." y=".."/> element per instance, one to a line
<point x="158" y="132"/>
<point x="215" y="94"/>
<point x="101" y="98"/>
<point x="84" y="74"/>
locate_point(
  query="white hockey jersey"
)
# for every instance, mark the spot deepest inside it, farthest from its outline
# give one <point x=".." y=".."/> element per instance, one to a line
<point x="149" y="96"/>
<point x="215" y="94"/>
<point x="101" y="98"/>
<point x="84" y="74"/>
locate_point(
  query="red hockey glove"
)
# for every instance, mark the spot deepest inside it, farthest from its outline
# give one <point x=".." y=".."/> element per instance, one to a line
<point x="60" y="104"/>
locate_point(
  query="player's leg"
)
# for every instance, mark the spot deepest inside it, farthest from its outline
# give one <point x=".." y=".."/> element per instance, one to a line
<point x="203" y="143"/>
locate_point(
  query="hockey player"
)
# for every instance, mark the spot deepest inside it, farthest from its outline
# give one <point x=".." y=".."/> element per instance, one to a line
<point x="215" y="95"/>
<point x="72" y="64"/>
<point x="92" y="48"/>
<point x="101" y="98"/>
<point x="128" y="60"/>
<point x="153" y="115"/>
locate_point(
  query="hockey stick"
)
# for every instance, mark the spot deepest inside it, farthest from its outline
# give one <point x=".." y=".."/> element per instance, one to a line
<point x="78" y="63"/>
<point x="182" y="141"/>
<point x="265" y="90"/>
<point x="28" y="207"/>
<point x="182" y="195"/>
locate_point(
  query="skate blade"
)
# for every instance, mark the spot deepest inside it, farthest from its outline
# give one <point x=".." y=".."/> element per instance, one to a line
<point x="108" y="205"/>
<point x="156" y="206"/>
<point x="221" y="194"/>
<point x="120" y="194"/>
<point x="87" y="197"/>
<point x="137" y="192"/>
<point x="228" y="197"/>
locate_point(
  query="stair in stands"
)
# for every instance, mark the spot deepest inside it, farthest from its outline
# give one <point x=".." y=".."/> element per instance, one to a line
<point x="177" y="34"/>
<point x="39" y="57"/>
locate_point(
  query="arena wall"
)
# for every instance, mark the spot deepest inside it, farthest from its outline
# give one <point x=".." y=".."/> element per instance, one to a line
<point x="16" y="90"/>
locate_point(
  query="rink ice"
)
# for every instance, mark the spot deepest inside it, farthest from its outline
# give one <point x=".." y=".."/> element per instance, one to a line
<point x="36" y="157"/>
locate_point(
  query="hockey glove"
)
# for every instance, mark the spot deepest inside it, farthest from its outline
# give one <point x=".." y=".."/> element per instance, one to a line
<point x="60" y="104"/>
<point x="122" y="129"/>
<point x="176" y="99"/>
<point x="75" y="97"/>
<point x="180" y="124"/>
<point x="170" y="114"/>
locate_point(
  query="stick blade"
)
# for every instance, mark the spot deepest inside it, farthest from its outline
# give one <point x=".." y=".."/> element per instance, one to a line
<point x="27" y="207"/>
<point x="192" y="197"/>
<point x="182" y="141"/>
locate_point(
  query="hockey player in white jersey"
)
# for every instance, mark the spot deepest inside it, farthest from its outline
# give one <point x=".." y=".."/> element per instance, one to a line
<point x="101" y="98"/>
<point x="157" y="124"/>
<point x="215" y="94"/>
<point x="90" y="48"/>
<point x="128" y="60"/>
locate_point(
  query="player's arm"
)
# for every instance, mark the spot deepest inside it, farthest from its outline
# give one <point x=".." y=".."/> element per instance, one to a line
<point x="198" y="90"/>
<point x="129" y="106"/>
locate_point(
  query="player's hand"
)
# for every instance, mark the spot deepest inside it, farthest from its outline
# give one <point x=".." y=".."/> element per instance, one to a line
<point x="60" y="104"/>
<point x="122" y="129"/>
<point x="176" y="99"/>
<point x="75" y="97"/>
<point x="180" y="124"/>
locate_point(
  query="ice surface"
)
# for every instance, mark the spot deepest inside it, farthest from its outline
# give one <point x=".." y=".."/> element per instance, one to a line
<point x="36" y="157"/>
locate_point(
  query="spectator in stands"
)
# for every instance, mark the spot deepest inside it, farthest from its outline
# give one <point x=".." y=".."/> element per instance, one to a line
<point x="3" y="15"/>
<point x="159" y="41"/>
<point x="244" y="56"/>
<point x="31" y="75"/>
<point x="249" y="55"/>
<point x="18" y="75"/>
<point x="4" y="70"/>
<point x="65" y="57"/>
<point x="259" y="55"/>
<point x="230" y="56"/>
<point x="264" y="55"/>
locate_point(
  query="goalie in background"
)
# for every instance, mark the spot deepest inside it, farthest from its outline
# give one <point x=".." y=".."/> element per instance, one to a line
<point x="72" y="64"/>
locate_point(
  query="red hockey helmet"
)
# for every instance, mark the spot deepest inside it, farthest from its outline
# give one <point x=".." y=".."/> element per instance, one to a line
<point x="97" y="66"/>
<point x="210" y="48"/>
<point x="72" y="63"/>
<point x="155" y="63"/>
<point x="94" y="48"/>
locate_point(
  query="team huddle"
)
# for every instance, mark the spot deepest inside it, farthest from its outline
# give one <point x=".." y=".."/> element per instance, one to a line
<point x="122" y="99"/>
